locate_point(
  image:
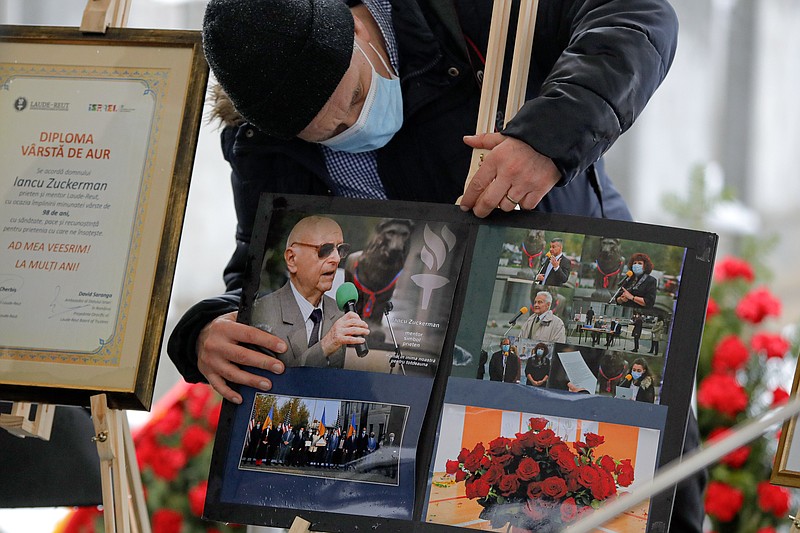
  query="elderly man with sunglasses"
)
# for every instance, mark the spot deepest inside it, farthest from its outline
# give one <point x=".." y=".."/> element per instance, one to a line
<point x="314" y="329"/>
<point x="302" y="325"/>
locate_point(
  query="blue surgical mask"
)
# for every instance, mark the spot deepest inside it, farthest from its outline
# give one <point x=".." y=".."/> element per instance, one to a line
<point x="380" y="118"/>
<point x="637" y="269"/>
<point x="505" y="347"/>
<point x="539" y="352"/>
<point x="636" y="375"/>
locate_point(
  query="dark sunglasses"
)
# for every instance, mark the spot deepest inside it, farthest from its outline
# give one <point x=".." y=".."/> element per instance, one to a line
<point x="326" y="249"/>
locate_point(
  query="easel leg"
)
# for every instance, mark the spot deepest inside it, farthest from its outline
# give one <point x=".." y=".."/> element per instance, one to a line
<point x="123" y="496"/>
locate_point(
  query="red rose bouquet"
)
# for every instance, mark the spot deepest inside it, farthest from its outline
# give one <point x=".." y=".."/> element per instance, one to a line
<point x="745" y="368"/>
<point x="536" y="481"/>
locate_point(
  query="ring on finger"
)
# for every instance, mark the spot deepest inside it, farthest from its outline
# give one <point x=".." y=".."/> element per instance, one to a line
<point x="511" y="200"/>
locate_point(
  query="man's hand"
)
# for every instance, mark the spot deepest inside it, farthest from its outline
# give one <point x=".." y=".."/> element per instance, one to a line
<point x="220" y="348"/>
<point x="349" y="329"/>
<point x="511" y="172"/>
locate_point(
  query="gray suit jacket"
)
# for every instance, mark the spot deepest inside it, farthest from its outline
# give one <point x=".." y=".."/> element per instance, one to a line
<point x="278" y="313"/>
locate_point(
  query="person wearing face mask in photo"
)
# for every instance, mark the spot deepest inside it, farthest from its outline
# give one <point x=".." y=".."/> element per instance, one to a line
<point x="504" y="364"/>
<point x="643" y="378"/>
<point x="537" y="368"/>
<point x="639" y="291"/>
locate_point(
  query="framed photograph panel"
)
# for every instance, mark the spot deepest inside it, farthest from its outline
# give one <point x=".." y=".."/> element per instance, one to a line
<point x="94" y="185"/>
<point x="515" y="349"/>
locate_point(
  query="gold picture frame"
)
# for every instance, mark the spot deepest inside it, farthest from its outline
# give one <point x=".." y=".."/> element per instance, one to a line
<point x="94" y="185"/>
<point x="786" y="468"/>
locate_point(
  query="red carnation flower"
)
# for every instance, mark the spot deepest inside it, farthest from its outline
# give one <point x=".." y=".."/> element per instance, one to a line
<point x="730" y="354"/>
<point x="723" y="501"/>
<point x="554" y="486"/>
<point x="528" y="469"/>
<point x="569" y="511"/>
<point x="194" y="439"/>
<point x="508" y="485"/>
<point x="451" y="467"/>
<point x="779" y="397"/>
<point x="460" y="475"/>
<point x="168" y="462"/>
<point x="758" y="304"/>
<point x="197" y="498"/>
<point x="774" y="346"/>
<point x="537" y="424"/>
<point x="773" y="499"/>
<point x="167" y="521"/>
<point x="722" y="393"/>
<point x="729" y="268"/>
<point x="212" y="417"/>
<point x="593" y="440"/>
<point x="170" y="422"/>
<point x="712" y="310"/>
<point x="197" y="399"/>
<point x="738" y="457"/>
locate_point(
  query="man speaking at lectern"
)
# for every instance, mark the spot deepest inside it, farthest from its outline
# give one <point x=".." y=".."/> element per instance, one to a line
<point x="314" y="329"/>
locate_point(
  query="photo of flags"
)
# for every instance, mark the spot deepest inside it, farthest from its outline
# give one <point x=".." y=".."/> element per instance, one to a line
<point x="321" y="429"/>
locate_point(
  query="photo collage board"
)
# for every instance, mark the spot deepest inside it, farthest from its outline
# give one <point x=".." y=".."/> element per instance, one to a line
<point x="519" y="370"/>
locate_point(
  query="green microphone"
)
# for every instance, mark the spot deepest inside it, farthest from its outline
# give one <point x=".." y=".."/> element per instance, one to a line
<point x="346" y="298"/>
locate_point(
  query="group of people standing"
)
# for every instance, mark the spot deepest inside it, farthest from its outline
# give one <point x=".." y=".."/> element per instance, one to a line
<point x="287" y="446"/>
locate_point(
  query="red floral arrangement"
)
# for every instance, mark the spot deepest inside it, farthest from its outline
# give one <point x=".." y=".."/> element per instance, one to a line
<point x="536" y="481"/>
<point x="173" y="451"/>
<point x="739" y="360"/>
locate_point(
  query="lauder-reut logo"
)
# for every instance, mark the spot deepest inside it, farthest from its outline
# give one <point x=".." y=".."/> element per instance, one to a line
<point x="20" y="103"/>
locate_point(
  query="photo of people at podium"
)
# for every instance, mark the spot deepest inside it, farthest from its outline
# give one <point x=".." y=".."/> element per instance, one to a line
<point x="602" y="329"/>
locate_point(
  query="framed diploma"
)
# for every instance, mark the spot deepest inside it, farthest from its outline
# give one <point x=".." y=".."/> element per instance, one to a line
<point x="93" y="186"/>
<point x="786" y="469"/>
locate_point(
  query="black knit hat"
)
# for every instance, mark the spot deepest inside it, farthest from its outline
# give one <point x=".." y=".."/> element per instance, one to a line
<point x="278" y="60"/>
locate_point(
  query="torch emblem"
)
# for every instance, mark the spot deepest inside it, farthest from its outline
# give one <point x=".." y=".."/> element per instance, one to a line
<point x="434" y="255"/>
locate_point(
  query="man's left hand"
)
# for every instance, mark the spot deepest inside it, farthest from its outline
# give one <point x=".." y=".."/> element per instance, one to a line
<point x="511" y="172"/>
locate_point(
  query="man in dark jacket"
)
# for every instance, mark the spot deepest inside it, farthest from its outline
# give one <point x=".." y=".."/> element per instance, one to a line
<point x="302" y="121"/>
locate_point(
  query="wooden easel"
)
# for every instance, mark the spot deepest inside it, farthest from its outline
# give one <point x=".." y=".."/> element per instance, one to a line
<point x="19" y="422"/>
<point x="100" y="14"/>
<point x="300" y="525"/>
<point x="493" y="71"/>
<point x="124" y="508"/>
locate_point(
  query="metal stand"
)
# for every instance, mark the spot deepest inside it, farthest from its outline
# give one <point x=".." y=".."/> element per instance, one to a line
<point x="397" y="355"/>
